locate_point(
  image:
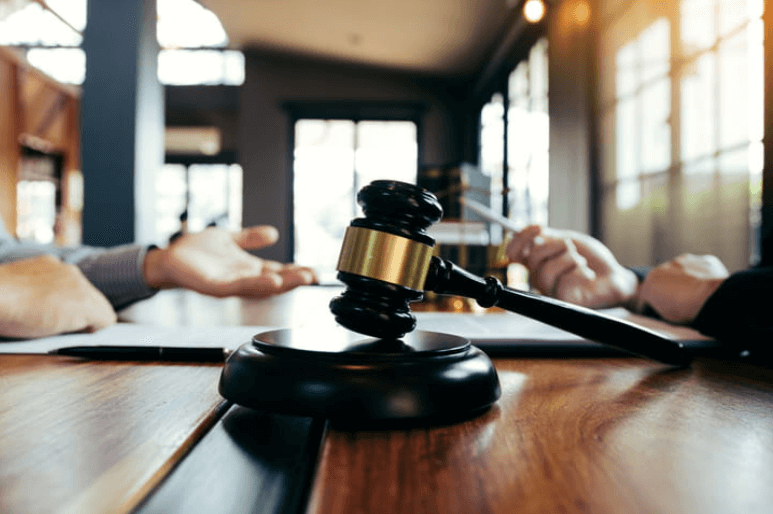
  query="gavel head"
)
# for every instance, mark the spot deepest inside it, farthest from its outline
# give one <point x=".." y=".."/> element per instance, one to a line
<point x="384" y="259"/>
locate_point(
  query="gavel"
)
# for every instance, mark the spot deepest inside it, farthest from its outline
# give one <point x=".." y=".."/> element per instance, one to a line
<point x="387" y="262"/>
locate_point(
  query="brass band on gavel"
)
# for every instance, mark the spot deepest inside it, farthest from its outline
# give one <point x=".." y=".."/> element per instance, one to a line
<point x="386" y="257"/>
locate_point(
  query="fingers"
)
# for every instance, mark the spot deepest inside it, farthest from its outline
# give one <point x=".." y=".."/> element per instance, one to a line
<point x="294" y="276"/>
<point x="551" y="262"/>
<point x="522" y="242"/>
<point x="260" y="236"/>
<point x="275" y="279"/>
<point x="101" y="315"/>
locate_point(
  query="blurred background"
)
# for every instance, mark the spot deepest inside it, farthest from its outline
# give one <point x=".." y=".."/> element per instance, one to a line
<point x="638" y="121"/>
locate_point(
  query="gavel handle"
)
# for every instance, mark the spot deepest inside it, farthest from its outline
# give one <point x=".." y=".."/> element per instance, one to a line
<point x="445" y="277"/>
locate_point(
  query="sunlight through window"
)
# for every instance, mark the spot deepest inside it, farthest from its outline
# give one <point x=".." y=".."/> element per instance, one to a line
<point x="333" y="160"/>
<point x="192" y="39"/>
<point x="187" y="24"/>
<point x="33" y="25"/>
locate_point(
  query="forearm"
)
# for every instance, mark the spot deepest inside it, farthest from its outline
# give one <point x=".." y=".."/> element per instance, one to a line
<point x="116" y="272"/>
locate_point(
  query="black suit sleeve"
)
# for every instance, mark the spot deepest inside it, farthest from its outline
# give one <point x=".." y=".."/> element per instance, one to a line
<point x="740" y="312"/>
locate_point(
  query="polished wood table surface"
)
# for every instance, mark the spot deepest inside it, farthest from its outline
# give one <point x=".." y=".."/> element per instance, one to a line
<point x="605" y="435"/>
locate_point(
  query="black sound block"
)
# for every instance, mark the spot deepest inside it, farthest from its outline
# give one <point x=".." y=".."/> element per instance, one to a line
<point x="344" y="376"/>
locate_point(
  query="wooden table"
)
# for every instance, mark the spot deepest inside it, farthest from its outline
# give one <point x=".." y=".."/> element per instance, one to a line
<point x="568" y="435"/>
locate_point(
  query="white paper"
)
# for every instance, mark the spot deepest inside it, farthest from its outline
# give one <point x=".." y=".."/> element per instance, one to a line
<point x="134" y="334"/>
<point x="486" y="330"/>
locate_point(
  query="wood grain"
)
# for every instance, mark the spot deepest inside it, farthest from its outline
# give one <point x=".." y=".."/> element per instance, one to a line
<point x="618" y="435"/>
<point x="83" y="437"/>
<point x="302" y="307"/>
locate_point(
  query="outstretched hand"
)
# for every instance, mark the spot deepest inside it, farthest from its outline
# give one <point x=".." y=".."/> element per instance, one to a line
<point x="43" y="296"/>
<point x="573" y="267"/>
<point x="215" y="262"/>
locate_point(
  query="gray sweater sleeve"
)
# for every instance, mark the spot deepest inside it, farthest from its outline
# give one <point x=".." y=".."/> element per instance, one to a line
<point x="116" y="272"/>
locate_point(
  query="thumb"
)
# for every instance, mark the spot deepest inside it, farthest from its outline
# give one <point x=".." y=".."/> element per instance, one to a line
<point x="256" y="237"/>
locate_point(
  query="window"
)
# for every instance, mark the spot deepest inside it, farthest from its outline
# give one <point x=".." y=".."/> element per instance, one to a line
<point x="528" y="134"/>
<point x="492" y="148"/>
<point x="333" y="160"/>
<point x="193" y="47"/>
<point x="682" y="118"/>
<point x="51" y="38"/>
<point x="192" y="197"/>
<point x="518" y="163"/>
<point x="37" y="196"/>
<point x="514" y="147"/>
<point x="192" y="39"/>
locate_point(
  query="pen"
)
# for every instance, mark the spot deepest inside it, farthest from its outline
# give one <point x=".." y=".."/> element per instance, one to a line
<point x="145" y="353"/>
<point x="489" y="215"/>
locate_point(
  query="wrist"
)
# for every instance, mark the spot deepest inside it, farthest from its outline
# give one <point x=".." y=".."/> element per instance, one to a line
<point x="154" y="269"/>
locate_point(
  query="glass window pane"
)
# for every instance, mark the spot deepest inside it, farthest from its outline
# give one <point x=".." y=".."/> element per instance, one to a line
<point x="733" y="91"/>
<point x="627" y="194"/>
<point x="734" y="13"/>
<point x="73" y="11"/>
<point x="204" y="195"/>
<point x="233" y="68"/>
<point x="235" y="188"/>
<point x="188" y="24"/>
<point x="209" y="194"/>
<point x="538" y="75"/>
<point x="528" y="135"/>
<point x="66" y="65"/>
<point x="698" y="108"/>
<point x="655" y="44"/>
<point x="697" y="25"/>
<point x="325" y="184"/>
<point x="519" y="131"/>
<point x="492" y="145"/>
<point x="170" y="199"/>
<point x="386" y="150"/>
<point x="756" y="91"/>
<point x="187" y="67"/>
<point x="655" y="130"/>
<point x="626" y="148"/>
<point x="518" y="86"/>
<point x="626" y="72"/>
<point x="36" y="210"/>
<point x="35" y="26"/>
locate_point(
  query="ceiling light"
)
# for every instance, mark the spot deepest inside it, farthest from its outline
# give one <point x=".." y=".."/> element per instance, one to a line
<point x="533" y="10"/>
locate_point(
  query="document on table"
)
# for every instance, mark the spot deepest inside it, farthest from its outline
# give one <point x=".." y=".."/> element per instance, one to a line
<point x="135" y="334"/>
<point x="514" y="334"/>
<point x="501" y="333"/>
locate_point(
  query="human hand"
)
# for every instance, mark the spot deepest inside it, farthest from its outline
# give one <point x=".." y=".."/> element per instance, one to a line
<point x="677" y="289"/>
<point x="573" y="267"/>
<point x="214" y="262"/>
<point x="43" y="296"/>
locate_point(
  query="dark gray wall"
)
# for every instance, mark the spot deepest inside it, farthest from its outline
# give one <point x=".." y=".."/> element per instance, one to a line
<point x="570" y="71"/>
<point x="265" y="125"/>
<point x="206" y="106"/>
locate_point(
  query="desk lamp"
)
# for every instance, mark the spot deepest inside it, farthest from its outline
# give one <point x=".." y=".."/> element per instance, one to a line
<point x="386" y="263"/>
